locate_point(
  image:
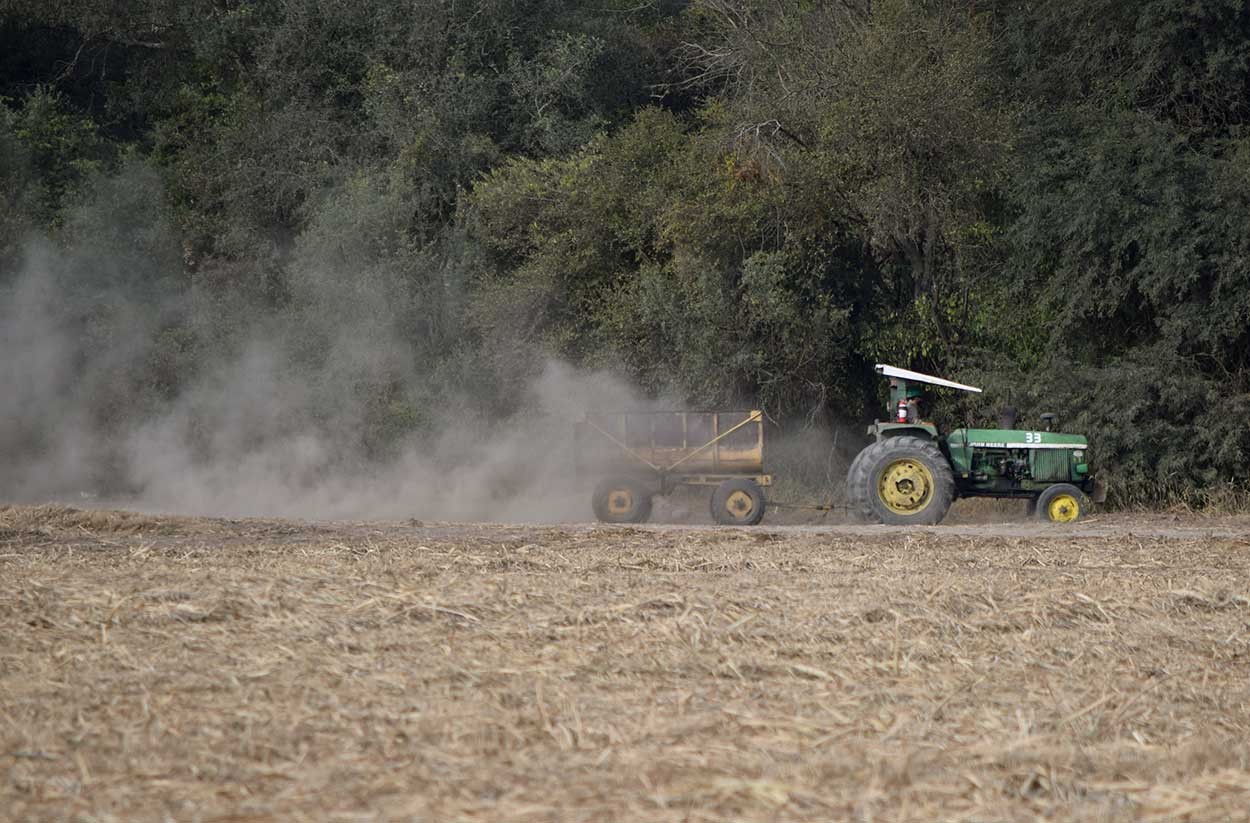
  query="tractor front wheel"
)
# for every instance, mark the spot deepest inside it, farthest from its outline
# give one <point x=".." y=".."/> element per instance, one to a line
<point x="1062" y="503"/>
<point x="901" y="481"/>
<point x="738" y="502"/>
<point x="621" y="500"/>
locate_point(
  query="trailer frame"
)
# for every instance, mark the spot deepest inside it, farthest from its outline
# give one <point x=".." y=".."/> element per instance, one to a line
<point x="640" y="468"/>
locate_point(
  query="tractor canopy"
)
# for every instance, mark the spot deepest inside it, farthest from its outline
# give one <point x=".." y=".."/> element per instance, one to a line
<point x="907" y="387"/>
<point x="906" y="384"/>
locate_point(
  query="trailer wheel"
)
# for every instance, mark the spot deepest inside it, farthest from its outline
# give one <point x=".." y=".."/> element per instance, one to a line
<point x="901" y="481"/>
<point x="1062" y="503"/>
<point x="738" y="502"/>
<point x="621" y="500"/>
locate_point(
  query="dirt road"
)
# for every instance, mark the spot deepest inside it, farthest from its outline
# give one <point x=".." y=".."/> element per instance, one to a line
<point x="193" y="669"/>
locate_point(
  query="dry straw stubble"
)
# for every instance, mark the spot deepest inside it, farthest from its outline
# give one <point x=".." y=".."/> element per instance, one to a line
<point x="164" y="668"/>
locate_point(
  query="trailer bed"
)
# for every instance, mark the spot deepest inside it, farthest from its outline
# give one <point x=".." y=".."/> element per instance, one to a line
<point x="635" y="456"/>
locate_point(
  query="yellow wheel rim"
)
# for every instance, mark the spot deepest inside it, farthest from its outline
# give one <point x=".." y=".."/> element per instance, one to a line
<point x="739" y="505"/>
<point x="620" y="501"/>
<point x="906" y="486"/>
<point x="1064" y="508"/>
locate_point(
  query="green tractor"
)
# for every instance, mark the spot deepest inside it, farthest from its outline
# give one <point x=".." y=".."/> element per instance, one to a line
<point x="911" y="473"/>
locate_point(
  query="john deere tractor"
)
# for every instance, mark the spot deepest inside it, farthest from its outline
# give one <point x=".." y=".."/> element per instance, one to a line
<point x="911" y="473"/>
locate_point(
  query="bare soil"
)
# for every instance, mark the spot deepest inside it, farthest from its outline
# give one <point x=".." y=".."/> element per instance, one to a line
<point x="160" y="668"/>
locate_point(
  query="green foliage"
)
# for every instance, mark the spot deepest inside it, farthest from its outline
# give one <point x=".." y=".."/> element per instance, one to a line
<point x="62" y="148"/>
<point x="17" y="204"/>
<point x="657" y="252"/>
<point x="1186" y="62"/>
<point x="890" y="117"/>
<point x="552" y="88"/>
<point x="415" y="205"/>
<point x="1127" y="238"/>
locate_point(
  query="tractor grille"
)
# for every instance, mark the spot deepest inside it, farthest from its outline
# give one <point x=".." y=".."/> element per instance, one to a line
<point x="1052" y="465"/>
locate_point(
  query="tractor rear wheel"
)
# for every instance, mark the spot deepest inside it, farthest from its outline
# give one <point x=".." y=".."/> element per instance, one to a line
<point x="621" y="500"/>
<point x="1062" y="503"/>
<point x="738" y="502"/>
<point x="901" y="481"/>
<point x="853" y="511"/>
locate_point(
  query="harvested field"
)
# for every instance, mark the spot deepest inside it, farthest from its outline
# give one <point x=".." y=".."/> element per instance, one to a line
<point x="211" y="670"/>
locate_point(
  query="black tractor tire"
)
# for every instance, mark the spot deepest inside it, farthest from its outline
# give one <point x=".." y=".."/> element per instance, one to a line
<point x="1062" y="503"/>
<point x="933" y="487"/>
<point x="738" y="502"/>
<point x="853" y="510"/>
<point x="621" y="500"/>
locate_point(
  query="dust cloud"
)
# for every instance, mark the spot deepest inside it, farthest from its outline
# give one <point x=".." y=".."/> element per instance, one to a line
<point x="132" y="377"/>
<point x="256" y="462"/>
<point x="121" y="383"/>
<point x="256" y="434"/>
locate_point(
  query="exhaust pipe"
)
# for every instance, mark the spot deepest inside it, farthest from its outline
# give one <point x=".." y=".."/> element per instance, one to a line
<point x="1007" y="418"/>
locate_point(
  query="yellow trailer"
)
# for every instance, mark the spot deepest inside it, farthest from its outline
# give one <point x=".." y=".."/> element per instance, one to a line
<point x="635" y="456"/>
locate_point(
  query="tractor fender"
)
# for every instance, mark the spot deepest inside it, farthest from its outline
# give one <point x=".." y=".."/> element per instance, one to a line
<point x="883" y="431"/>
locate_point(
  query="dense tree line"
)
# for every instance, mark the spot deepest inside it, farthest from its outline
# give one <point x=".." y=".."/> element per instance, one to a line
<point x="726" y="201"/>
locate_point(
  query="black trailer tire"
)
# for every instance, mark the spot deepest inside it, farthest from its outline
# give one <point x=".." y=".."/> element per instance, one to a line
<point x="621" y="500"/>
<point x="738" y="502"/>
<point x="901" y="481"/>
<point x="1062" y="503"/>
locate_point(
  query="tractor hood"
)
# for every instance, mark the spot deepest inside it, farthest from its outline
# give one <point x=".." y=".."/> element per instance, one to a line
<point x="1015" y="439"/>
